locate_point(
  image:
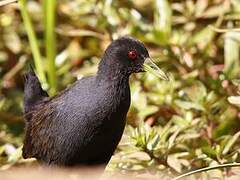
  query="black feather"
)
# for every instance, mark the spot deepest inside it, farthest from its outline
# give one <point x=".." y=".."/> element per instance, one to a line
<point x="33" y="92"/>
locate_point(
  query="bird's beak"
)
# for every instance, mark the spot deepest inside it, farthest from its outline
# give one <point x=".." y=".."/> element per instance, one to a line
<point x="151" y="67"/>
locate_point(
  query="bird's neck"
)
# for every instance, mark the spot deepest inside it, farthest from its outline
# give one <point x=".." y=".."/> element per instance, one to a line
<point x="112" y="72"/>
<point x="115" y="82"/>
<point x="115" y="79"/>
<point x="116" y="87"/>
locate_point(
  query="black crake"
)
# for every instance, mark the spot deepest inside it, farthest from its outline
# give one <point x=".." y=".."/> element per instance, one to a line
<point x="84" y="123"/>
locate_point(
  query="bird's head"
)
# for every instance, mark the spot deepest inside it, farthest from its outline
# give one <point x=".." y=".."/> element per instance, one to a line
<point x="127" y="55"/>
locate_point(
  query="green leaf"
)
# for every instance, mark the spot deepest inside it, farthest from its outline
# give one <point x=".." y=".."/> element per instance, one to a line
<point x="209" y="151"/>
<point x="231" y="54"/>
<point x="14" y="157"/>
<point x="171" y="140"/>
<point x="180" y="122"/>
<point x="162" y="21"/>
<point x="189" y="105"/>
<point x="230" y="143"/>
<point x="202" y="38"/>
<point x="148" y="111"/>
<point x="197" y="92"/>
<point x="153" y="143"/>
<point x="234" y="100"/>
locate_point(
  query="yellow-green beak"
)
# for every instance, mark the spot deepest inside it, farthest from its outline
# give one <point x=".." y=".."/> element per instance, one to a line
<point x="151" y="67"/>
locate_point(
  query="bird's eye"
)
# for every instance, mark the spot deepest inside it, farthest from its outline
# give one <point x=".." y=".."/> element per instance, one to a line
<point x="132" y="54"/>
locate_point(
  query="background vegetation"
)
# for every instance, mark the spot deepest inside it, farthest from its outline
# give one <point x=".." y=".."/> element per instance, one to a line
<point x="173" y="127"/>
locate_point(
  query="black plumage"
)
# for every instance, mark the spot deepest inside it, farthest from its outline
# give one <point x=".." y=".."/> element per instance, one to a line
<point x="83" y="124"/>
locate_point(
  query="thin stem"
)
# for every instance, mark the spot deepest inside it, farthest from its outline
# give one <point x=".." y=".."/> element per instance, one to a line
<point x="50" y="43"/>
<point x="33" y="42"/>
<point x="20" y="65"/>
<point x="207" y="169"/>
<point x="224" y="30"/>
<point x="160" y="161"/>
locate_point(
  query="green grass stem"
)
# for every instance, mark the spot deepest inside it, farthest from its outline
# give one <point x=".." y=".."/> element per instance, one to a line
<point x="50" y="43"/>
<point x="207" y="169"/>
<point x="33" y="42"/>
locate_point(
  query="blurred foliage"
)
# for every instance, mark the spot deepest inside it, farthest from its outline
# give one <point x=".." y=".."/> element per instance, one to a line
<point x="187" y="123"/>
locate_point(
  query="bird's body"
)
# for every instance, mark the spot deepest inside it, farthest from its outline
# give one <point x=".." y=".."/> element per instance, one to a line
<point x="79" y="125"/>
<point x="84" y="123"/>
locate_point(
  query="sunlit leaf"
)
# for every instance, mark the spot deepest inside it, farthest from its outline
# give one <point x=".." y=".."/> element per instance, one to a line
<point x="189" y="105"/>
<point x="162" y="21"/>
<point x="231" y="54"/>
<point x="234" y="100"/>
<point x="230" y="143"/>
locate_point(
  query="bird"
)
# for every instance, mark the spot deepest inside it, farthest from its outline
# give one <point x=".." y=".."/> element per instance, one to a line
<point x="83" y="124"/>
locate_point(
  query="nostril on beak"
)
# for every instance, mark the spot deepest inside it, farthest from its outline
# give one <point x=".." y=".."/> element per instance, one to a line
<point x="151" y="67"/>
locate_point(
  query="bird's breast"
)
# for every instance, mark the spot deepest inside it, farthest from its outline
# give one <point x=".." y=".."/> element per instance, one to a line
<point x="108" y="132"/>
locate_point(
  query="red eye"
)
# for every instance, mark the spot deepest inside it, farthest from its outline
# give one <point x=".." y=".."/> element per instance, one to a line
<point x="132" y="54"/>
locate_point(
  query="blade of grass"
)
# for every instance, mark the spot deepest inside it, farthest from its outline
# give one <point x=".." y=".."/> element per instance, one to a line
<point x="50" y="43"/>
<point x="207" y="169"/>
<point x="33" y="43"/>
